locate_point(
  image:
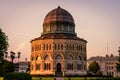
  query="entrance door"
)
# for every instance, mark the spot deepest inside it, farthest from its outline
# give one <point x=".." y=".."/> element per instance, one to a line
<point x="58" y="72"/>
<point x="58" y="67"/>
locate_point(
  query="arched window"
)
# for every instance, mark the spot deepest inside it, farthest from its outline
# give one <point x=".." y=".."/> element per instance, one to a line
<point x="38" y="66"/>
<point x="55" y="46"/>
<point x="61" y="46"/>
<point x="69" y="57"/>
<point x="77" y="47"/>
<point x="69" y="66"/>
<point x="79" y="58"/>
<point x="40" y="46"/>
<point x="46" y="58"/>
<point x="32" y="48"/>
<point x="32" y="58"/>
<point x="79" y="66"/>
<point x="47" y="65"/>
<point x="49" y="46"/>
<point x="67" y="47"/>
<point x="46" y="46"/>
<point x="73" y="46"/>
<point x="43" y="46"/>
<point x="58" y="46"/>
<point x="38" y="58"/>
<point x="58" y="57"/>
<point x="70" y="47"/>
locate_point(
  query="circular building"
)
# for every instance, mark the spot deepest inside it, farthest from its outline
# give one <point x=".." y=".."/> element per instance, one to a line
<point x="58" y="51"/>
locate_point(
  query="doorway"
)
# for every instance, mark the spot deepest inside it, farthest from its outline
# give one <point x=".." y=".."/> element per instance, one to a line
<point x="58" y="72"/>
<point x="58" y="67"/>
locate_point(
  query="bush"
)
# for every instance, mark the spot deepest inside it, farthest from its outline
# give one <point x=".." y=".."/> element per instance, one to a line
<point x="17" y="76"/>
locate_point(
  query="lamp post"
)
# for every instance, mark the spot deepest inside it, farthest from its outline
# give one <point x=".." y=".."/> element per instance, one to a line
<point x="12" y="55"/>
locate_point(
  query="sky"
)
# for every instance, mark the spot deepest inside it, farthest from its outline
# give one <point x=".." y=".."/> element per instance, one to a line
<point x="97" y="21"/>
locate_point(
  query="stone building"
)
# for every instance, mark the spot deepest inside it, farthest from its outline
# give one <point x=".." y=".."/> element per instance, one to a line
<point x="23" y="66"/>
<point x="58" y="51"/>
<point x="107" y="64"/>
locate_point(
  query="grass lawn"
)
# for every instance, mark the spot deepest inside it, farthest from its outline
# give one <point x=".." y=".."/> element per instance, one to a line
<point x="1" y="78"/>
<point x="78" y="78"/>
<point x="74" y="78"/>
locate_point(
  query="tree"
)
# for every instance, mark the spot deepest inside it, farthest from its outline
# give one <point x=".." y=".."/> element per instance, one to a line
<point x="6" y="67"/>
<point x="118" y="64"/>
<point x="99" y="73"/>
<point x="3" y="44"/>
<point x="94" y="67"/>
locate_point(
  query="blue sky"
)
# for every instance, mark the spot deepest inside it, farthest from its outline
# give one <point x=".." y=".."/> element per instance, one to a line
<point x="97" y="21"/>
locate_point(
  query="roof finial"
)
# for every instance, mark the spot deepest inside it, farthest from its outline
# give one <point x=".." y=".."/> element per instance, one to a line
<point x="58" y="6"/>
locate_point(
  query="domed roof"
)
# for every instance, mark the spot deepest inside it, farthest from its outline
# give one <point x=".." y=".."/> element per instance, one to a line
<point x="58" y="15"/>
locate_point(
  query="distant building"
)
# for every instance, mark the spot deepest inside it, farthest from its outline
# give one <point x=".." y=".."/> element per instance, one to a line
<point x="58" y="51"/>
<point x="23" y="66"/>
<point x="107" y="64"/>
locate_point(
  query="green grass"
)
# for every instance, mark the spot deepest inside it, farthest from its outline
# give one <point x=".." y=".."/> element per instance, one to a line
<point x="78" y="78"/>
<point x="75" y="78"/>
<point x="1" y="78"/>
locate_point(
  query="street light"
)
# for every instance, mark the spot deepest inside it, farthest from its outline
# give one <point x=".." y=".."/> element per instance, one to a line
<point x="12" y="55"/>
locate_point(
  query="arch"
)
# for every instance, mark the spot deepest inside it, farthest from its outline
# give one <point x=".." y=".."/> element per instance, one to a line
<point x="38" y="57"/>
<point x="69" y="57"/>
<point x="46" y="58"/>
<point x="45" y="55"/>
<point x="79" y="57"/>
<point x="58" y="57"/>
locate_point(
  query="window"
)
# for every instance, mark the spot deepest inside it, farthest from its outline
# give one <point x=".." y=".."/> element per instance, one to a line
<point x="67" y="47"/>
<point x="79" y="58"/>
<point x="79" y="67"/>
<point x="37" y="66"/>
<point x="58" y="46"/>
<point x="69" y="57"/>
<point x="43" y="46"/>
<point x="61" y="46"/>
<point x="73" y="46"/>
<point x="55" y="46"/>
<point x="69" y="66"/>
<point x="32" y="48"/>
<point x="39" y="47"/>
<point x="47" y="66"/>
<point x="49" y="46"/>
<point x="58" y="57"/>
<point x="38" y="58"/>
<point x="46" y="46"/>
<point x="46" y="58"/>
<point x="32" y="58"/>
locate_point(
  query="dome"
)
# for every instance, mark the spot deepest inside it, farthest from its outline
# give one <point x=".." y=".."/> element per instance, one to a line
<point x="58" y="20"/>
<point x="58" y="15"/>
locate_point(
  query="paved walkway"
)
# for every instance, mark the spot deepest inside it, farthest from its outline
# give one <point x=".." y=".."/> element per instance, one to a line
<point x="59" y="78"/>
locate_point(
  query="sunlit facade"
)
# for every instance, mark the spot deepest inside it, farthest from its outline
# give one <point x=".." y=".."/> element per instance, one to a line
<point x="58" y="51"/>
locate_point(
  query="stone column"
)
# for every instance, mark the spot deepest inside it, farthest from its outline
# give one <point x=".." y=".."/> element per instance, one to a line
<point x="42" y="65"/>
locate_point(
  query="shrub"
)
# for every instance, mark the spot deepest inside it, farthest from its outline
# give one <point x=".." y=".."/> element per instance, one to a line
<point x="17" y="76"/>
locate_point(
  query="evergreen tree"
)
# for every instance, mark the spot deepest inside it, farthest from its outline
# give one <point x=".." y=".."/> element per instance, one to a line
<point x="3" y="44"/>
<point x="94" y="67"/>
<point x="5" y="66"/>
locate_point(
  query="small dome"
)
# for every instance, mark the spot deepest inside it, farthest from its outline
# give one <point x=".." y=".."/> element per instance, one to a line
<point x="58" y="15"/>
